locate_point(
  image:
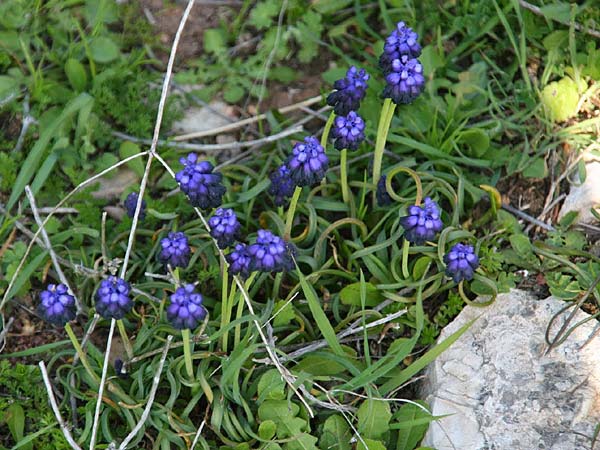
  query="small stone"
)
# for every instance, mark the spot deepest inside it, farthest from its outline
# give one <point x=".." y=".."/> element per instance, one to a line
<point x="502" y="392"/>
<point x="583" y="197"/>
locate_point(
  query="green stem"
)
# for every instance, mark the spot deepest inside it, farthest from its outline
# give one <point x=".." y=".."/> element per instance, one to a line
<point x="385" y="120"/>
<point x="405" y="248"/>
<point x="290" y="213"/>
<point x="187" y="352"/>
<point x="80" y="352"/>
<point x="125" y="339"/>
<point x="344" y="176"/>
<point x="326" y="130"/>
<point x="240" y="311"/>
<point x="226" y="303"/>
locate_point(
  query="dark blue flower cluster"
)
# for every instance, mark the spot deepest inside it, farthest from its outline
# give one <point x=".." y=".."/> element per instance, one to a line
<point x="350" y="90"/>
<point x="57" y="306"/>
<point x="186" y="310"/>
<point x="348" y="131"/>
<point x="197" y="179"/>
<point x="282" y="186"/>
<point x="239" y="260"/>
<point x="308" y="162"/>
<point x="175" y="250"/>
<point x="461" y="262"/>
<point x="271" y="253"/>
<point x="403" y="71"/>
<point x="422" y="222"/>
<point x="224" y="227"/>
<point x="382" y="195"/>
<point x="131" y="204"/>
<point x="112" y="298"/>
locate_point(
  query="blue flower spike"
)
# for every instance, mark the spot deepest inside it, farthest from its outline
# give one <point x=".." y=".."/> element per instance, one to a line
<point x="308" y="162"/>
<point x="200" y="183"/>
<point x="348" y="131"/>
<point x="185" y="310"/>
<point x="282" y="186"/>
<point x="131" y="203"/>
<point x="239" y="261"/>
<point x="350" y="90"/>
<point x="422" y="222"/>
<point x="271" y="253"/>
<point x="405" y="81"/>
<point x="175" y="250"/>
<point x="224" y="227"/>
<point x="402" y="41"/>
<point x="112" y="298"/>
<point x="57" y="306"/>
<point x="461" y="262"/>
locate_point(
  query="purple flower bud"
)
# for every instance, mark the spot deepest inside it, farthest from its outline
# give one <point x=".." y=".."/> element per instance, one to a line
<point x="131" y="203"/>
<point x="271" y="253"/>
<point x="57" y="306"/>
<point x="308" y="162"/>
<point x="239" y="261"/>
<point x="350" y="91"/>
<point x="403" y="41"/>
<point x="175" y="250"/>
<point x="422" y="223"/>
<point x="348" y="131"/>
<point x="282" y="186"/>
<point x="186" y="310"/>
<point x="224" y="227"/>
<point x="112" y="298"/>
<point x="461" y="262"/>
<point x="405" y="81"/>
<point x="197" y="179"/>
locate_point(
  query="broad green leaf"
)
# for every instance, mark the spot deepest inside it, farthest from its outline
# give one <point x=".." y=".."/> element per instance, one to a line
<point x="476" y="139"/>
<point x="371" y="445"/>
<point x="302" y="442"/>
<point x="283" y="413"/>
<point x="560" y="11"/>
<point x="127" y="149"/>
<point x="284" y="313"/>
<point x="521" y="244"/>
<point x="271" y="386"/>
<point x="411" y="434"/>
<point x="214" y="41"/>
<point x="263" y="14"/>
<point x="267" y="429"/>
<point x="8" y="86"/>
<point x="350" y="295"/>
<point x="330" y="6"/>
<point x="319" y="365"/>
<point x="104" y="50"/>
<point x="373" y="418"/>
<point x="233" y="93"/>
<point x="560" y="99"/>
<point x="15" y="419"/>
<point x="76" y="74"/>
<point x="319" y="315"/>
<point x="536" y="169"/>
<point x="31" y="164"/>
<point x="336" y="434"/>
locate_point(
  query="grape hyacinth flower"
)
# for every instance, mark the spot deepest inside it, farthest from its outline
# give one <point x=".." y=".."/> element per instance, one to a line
<point x="350" y="91"/>
<point x="112" y="298"/>
<point x="224" y="227"/>
<point x="197" y="179"/>
<point x="186" y="310"/>
<point x="308" y="162"/>
<point x="271" y="253"/>
<point x="175" y="250"/>
<point x="282" y="186"/>
<point x="239" y="260"/>
<point x="348" y="131"/>
<point x="405" y="81"/>
<point x="461" y="262"/>
<point x="402" y="41"/>
<point x="422" y="223"/>
<point x="57" y="306"/>
<point x="131" y="203"/>
<point x="383" y="197"/>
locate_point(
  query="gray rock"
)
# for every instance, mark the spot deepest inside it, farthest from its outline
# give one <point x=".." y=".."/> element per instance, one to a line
<point x="503" y="393"/>
<point x="585" y="196"/>
<point x="205" y="118"/>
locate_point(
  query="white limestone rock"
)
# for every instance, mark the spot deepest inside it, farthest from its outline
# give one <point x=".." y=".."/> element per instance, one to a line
<point x="503" y="392"/>
<point x="205" y="118"/>
<point x="585" y="196"/>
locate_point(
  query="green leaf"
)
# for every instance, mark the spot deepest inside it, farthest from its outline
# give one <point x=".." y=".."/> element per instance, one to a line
<point x="215" y="41"/>
<point x="76" y="74"/>
<point x="560" y="99"/>
<point x="271" y="386"/>
<point x="370" y="445"/>
<point x="30" y="165"/>
<point x="104" y="50"/>
<point x="302" y="442"/>
<point x="284" y="313"/>
<point x="330" y="6"/>
<point x="536" y="169"/>
<point x="521" y="244"/>
<point x="319" y="315"/>
<point x="476" y="140"/>
<point x="373" y="418"/>
<point x="37" y="350"/>
<point x="411" y="434"/>
<point x="336" y="434"/>
<point x="267" y="429"/>
<point x="8" y="86"/>
<point x="233" y="93"/>
<point x="283" y="413"/>
<point x="263" y="14"/>
<point x="318" y="364"/>
<point x="350" y="295"/>
<point x="15" y="419"/>
<point x="561" y="12"/>
<point x="262" y="185"/>
<point x="127" y="149"/>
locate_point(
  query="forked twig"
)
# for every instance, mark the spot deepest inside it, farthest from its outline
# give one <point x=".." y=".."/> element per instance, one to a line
<point x="63" y="426"/>
<point x="537" y="11"/>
